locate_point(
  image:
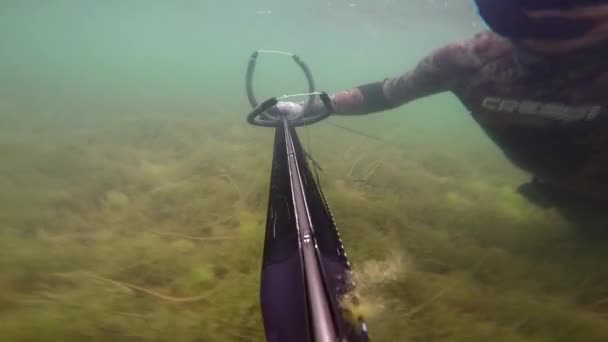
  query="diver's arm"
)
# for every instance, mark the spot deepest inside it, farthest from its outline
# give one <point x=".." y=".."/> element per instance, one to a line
<point x="440" y="71"/>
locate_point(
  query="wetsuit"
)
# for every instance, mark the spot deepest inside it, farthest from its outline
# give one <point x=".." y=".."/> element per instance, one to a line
<point x="548" y="114"/>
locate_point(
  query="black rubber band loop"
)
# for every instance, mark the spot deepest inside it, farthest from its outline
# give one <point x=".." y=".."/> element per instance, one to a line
<point x="265" y="115"/>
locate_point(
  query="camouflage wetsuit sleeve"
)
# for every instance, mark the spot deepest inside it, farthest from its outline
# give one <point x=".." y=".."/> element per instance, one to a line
<point x="440" y="71"/>
<point x="548" y="114"/>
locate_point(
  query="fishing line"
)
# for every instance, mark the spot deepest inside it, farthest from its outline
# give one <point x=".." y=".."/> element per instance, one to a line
<point x="317" y="166"/>
<point x="277" y="52"/>
<point x="365" y="135"/>
<point x="297" y="95"/>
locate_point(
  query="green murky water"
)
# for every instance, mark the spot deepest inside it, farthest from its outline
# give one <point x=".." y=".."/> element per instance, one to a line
<point x="133" y="194"/>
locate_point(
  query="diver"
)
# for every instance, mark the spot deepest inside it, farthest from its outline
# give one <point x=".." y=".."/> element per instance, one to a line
<point x="536" y="83"/>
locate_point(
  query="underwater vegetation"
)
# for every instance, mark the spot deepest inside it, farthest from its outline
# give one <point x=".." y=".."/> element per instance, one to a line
<point x="150" y="229"/>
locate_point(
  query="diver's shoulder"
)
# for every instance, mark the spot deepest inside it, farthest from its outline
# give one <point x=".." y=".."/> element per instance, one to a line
<point x="489" y="45"/>
<point x="474" y="51"/>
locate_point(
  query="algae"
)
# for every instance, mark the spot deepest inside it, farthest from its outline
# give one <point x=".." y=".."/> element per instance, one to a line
<point x="152" y="230"/>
